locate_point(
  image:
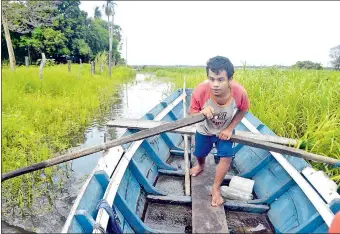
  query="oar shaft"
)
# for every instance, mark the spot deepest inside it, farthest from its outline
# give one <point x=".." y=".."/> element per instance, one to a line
<point x="283" y="149"/>
<point x="126" y="139"/>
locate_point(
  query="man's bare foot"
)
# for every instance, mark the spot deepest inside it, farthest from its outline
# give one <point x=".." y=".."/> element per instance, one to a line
<point x="216" y="199"/>
<point x="196" y="170"/>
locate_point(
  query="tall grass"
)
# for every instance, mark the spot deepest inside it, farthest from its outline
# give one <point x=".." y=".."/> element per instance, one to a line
<point x="301" y="104"/>
<point x="42" y="117"/>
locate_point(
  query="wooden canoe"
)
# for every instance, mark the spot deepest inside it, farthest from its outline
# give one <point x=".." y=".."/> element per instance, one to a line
<point x="140" y="187"/>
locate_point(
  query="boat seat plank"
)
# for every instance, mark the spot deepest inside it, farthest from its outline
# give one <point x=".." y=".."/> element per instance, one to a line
<point x="205" y="218"/>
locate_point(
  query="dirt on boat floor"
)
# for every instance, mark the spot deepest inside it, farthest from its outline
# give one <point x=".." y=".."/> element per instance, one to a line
<point x="166" y="217"/>
<point x="243" y="222"/>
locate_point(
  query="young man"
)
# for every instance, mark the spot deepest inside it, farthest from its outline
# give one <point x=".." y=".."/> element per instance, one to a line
<point x="216" y="99"/>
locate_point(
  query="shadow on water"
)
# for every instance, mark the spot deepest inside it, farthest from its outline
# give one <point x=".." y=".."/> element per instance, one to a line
<point x="134" y="99"/>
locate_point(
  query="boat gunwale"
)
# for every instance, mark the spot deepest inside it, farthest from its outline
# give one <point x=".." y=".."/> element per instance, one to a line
<point x="100" y="166"/>
<point x="112" y="188"/>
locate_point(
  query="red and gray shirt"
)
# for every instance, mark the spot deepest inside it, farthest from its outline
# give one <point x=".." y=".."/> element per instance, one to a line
<point x="202" y="97"/>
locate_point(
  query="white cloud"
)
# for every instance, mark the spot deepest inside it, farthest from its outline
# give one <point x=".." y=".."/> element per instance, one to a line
<point x="261" y="33"/>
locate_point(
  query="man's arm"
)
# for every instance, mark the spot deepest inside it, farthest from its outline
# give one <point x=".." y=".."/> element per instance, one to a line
<point x="237" y="118"/>
<point x="228" y="131"/>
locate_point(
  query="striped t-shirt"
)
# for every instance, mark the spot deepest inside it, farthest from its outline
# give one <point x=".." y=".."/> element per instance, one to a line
<point x="202" y="97"/>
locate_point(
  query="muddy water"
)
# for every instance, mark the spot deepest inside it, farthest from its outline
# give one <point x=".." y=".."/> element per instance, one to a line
<point x="134" y="100"/>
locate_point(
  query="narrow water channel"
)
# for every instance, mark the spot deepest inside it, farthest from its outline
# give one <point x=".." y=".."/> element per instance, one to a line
<point x="134" y="100"/>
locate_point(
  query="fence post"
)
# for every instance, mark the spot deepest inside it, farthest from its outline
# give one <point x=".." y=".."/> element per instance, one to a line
<point x="92" y="68"/>
<point x="42" y="64"/>
<point x="26" y="61"/>
<point x="69" y="65"/>
<point x="80" y="65"/>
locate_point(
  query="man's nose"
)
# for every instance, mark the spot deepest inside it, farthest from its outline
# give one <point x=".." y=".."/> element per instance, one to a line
<point x="216" y="83"/>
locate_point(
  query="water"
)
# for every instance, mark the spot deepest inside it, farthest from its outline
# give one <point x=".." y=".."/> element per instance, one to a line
<point x="134" y="100"/>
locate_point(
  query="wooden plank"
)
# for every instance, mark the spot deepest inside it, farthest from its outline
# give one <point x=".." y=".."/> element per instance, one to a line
<point x="186" y="152"/>
<point x="190" y="130"/>
<point x="227" y="178"/>
<point x="206" y="218"/>
<point x="236" y="205"/>
<point x="320" y="181"/>
<point x="311" y="194"/>
<point x="178" y="200"/>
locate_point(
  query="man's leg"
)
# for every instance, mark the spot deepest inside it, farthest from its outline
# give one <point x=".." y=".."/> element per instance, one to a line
<point x="203" y="145"/>
<point x="194" y="171"/>
<point x="221" y="170"/>
<point x="225" y="152"/>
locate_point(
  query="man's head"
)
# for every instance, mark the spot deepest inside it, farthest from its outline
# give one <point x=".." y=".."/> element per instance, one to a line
<point x="219" y="72"/>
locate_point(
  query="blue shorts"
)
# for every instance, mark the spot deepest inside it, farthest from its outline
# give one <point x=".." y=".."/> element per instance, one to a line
<point x="204" y="144"/>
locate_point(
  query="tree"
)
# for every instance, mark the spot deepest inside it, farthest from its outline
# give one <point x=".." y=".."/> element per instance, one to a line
<point x="335" y="55"/>
<point x="307" y="65"/>
<point x="109" y="11"/>
<point x="97" y="13"/>
<point x="23" y="17"/>
<point x="8" y="39"/>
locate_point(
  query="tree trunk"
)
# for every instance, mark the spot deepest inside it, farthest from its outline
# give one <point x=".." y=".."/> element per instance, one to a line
<point x="112" y="30"/>
<point x="8" y="42"/>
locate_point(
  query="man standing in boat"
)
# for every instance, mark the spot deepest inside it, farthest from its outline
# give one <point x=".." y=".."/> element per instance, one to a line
<point x="217" y="98"/>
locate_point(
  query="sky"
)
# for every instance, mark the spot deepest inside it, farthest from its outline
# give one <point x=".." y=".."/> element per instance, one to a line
<point x="253" y="33"/>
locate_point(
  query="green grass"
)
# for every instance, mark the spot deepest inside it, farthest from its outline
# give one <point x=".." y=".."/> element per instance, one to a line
<point x="42" y="117"/>
<point x="300" y="104"/>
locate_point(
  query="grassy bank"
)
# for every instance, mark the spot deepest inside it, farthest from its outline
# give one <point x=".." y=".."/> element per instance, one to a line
<point x="301" y="104"/>
<point x="42" y="117"/>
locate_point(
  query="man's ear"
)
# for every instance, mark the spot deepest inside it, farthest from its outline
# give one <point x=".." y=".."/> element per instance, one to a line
<point x="230" y="78"/>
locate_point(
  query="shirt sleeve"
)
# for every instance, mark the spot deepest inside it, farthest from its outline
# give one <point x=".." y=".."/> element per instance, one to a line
<point x="195" y="105"/>
<point x="244" y="103"/>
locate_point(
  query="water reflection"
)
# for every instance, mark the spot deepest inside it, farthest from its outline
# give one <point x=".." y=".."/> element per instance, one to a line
<point x="133" y="100"/>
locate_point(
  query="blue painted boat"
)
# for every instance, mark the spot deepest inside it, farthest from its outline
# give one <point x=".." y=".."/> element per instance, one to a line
<point x="119" y="195"/>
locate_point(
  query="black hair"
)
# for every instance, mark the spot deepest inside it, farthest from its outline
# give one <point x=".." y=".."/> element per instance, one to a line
<point x="220" y="63"/>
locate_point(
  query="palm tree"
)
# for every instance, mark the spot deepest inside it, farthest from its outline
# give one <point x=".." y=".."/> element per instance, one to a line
<point x="97" y="13"/>
<point x="109" y="11"/>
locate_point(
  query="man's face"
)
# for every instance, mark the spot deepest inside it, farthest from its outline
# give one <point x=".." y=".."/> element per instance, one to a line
<point x="219" y="83"/>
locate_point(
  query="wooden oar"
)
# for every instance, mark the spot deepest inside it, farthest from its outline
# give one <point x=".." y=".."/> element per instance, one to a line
<point x="127" y="139"/>
<point x="284" y="150"/>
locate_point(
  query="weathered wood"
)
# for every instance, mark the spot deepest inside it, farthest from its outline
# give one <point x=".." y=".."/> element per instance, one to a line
<point x="69" y="65"/>
<point x="178" y="152"/>
<point x="80" y="67"/>
<point x="123" y="140"/>
<point x="42" y="64"/>
<point x="245" y="139"/>
<point x="283" y="149"/>
<point x="180" y="173"/>
<point x="26" y="61"/>
<point x="186" y="154"/>
<point x="206" y="218"/>
<point x="145" y="124"/>
<point x="92" y="68"/>
<point x="235" y="205"/>
<point x="171" y="173"/>
<point x="178" y="200"/>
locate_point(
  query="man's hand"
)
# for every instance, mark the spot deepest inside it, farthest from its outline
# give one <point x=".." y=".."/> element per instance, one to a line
<point x="208" y="112"/>
<point x="225" y="134"/>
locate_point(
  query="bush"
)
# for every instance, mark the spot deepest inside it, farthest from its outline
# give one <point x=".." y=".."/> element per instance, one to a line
<point x="307" y="65"/>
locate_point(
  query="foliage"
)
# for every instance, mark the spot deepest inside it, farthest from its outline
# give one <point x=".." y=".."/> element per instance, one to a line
<point x="42" y="118"/>
<point x="67" y="31"/>
<point x="307" y="65"/>
<point x="335" y="55"/>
